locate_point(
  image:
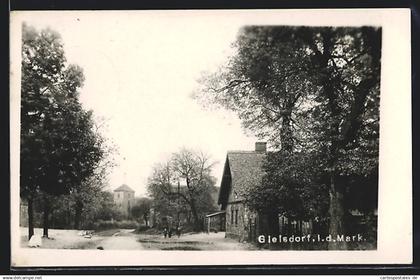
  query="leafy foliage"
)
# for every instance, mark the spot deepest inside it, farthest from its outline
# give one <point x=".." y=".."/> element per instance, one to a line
<point x="141" y="209"/>
<point x="292" y="186"/>
<point x="61" y="148"/>
<point x="193" y="197"/>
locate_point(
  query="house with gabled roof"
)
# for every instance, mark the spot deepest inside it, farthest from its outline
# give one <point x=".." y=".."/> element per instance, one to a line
<point x="124" y="199"/>
<point x="242" y="171"/>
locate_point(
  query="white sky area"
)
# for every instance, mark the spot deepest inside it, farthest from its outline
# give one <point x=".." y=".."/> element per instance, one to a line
<point x="140" y="71"/>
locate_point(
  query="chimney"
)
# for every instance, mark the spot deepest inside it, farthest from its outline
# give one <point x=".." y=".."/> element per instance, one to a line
<point x="261" y="147"/>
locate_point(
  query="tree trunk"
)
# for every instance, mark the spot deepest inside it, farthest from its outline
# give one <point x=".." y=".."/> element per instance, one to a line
<point x="336" y="191"/>
<point x="30" y="218"/>
<point x="286" y="137"/>
<point x="286" y="134"/>
<point x="78" y="215"/>
<point x="197" y="223"/>
<point x="46" y="217"/>
<point x="146" y="220"/>
<point x="336" y="215"/>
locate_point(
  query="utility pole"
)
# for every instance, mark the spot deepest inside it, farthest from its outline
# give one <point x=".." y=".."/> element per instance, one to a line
<point x="178" y="206"/>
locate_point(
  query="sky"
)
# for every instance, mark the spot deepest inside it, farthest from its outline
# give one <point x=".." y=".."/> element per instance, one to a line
<point x="140" y="71"/>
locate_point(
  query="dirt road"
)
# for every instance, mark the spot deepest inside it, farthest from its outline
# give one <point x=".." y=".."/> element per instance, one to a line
<point x="118" y="239"/>
<point x="193" y="242"/>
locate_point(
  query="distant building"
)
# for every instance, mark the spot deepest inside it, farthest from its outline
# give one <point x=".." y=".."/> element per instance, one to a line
<point x="124" y="199"/>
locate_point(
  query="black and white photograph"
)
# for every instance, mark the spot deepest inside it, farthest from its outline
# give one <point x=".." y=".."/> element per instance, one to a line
<point x="165" y="134"/>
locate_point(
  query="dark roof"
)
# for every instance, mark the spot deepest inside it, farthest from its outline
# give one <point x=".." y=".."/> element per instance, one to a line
<point x="123" y="188"/>
<point x="242" y="171"/>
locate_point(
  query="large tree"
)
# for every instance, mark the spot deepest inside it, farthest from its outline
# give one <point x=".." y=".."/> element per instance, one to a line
<point x="192" y="169"/>
<point x="265" y="83"/>
<point x="346" y="68"/>
<point x="41" y="65"/>
<point x="59" y="146"/>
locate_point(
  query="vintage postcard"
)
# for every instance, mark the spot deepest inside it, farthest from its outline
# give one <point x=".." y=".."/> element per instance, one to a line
<point x="211" y="137"/>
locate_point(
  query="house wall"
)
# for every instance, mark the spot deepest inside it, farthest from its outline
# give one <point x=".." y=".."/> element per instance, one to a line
<point x="245" y="225"/>
<point x="238" y="221"/>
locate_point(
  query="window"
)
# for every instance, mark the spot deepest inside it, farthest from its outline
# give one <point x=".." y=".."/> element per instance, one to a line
<point x="236" y="217"/>
<point x="231" y="216"/>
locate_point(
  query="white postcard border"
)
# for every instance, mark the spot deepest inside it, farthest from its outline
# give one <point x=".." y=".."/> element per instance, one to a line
<point x="395" y="186"/>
